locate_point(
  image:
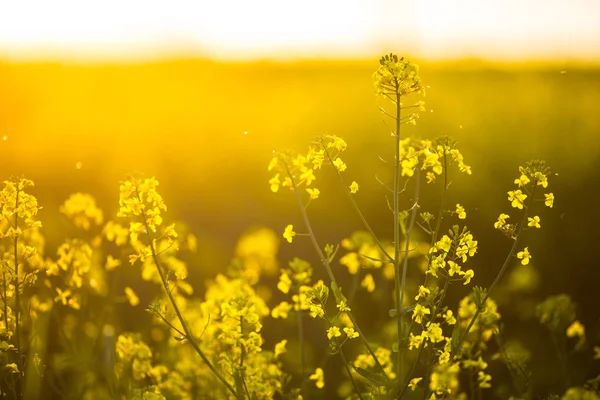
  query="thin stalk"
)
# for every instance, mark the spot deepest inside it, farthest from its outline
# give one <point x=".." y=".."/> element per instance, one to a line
<point x="325" y="262"/>
<point x="184" y="325"/>
<point x="357" y="209"/>
<point x="411" y="226"/>
<point x="434" y="236"/>
<point x="356" y="389"/>
<point x="350" y="297"/>
<point x="17" y="300"/>
<point x="5" y="301"/>
<point x="242" y="356"/>
<point x="438" y="223"/>
<point x="302" y="352"/>
<point x="500" y="273"/>
<point x="471" y="384"/>
<point x="561" y="358"/>
<point x="170" y="324"/>
<point x="435" y="310"/>
<point x="399" y="287"/>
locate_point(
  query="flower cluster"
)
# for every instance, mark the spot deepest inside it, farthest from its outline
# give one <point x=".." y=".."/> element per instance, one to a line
<point x="82" y="209"/>
<point x="449" y="251"/>
<point x="298" y="170"/>
<point x="397" y="76"/>
<point x="432" y="157"/>
<point x="533" y="177"/>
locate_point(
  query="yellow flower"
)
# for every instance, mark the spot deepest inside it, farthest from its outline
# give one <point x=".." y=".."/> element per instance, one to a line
<point x="354" y="187"/>
<point x="449" y="317"/>
<point x="338" y="143"/>
<point x="314" y="193"/>
<point x="280" y="348"/>
<point x="454" y="268"/>
<point x="484" y="380"/>
<point x="549" y="200"/>
<point x="137" y="197"/>
<point x="342" y="306"/>
<point x="316" y="311"/>
<point x="596" y="352"/>
<point x="418" y="313"/>
<point x="281" y="310"/>
<point x="273" y="163"/>
<point x="332" y="332"/>
<point x="434" y="333"/>
<point x="115" y="233"/>
<point x="423" y="292"/>
<point x="444" y="244"/>
<point x="522" y="181"/>
<point x="460" y="210"/>
<point x="397" y="75"/>
<point x="535" y="221"/>
<point x="413" y="383"/>
<point x="350" y="333"/>
<point x="307" y="176"/>
<point x="541" y="179"/>
<point x="135" y="228"/>
<point x="351" y="261"/>
<point x="339" y="164"/>
<point x="414" y="342"/>
<point x="468" y="275"/>
<point x="501" y="221"/>
<point x="319" y="377"/>
<point x="368" y="283"/>
<point x="82" y="209"/>
<point x="131" y="296"/>
<point x="430" y="177"/>
<point x="524" y="255"/>
<point x="285" y="283"/>
<point x="576" y="330"/>
<point x="63" y="296"/>
<point x="112" y="263"/>
<point x="516" y="198"/>
<point x="289" y="233"/>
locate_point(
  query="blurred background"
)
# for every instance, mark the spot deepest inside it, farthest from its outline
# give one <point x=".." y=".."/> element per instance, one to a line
<point x="199" y="94"/>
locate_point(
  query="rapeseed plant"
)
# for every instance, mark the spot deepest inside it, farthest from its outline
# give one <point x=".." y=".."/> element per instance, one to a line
<point x="212" y="347"/>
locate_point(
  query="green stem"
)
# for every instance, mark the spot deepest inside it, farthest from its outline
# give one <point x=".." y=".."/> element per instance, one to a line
<point x="242" y="356"/>
<point x="411" y="226"/>
<point x="5" y="301"/>
<point x="302" y="350"/>
<point x="184" y="325"/>
<point x="500" y="273"/>
<point x="325" y="262"/>
<point x="434" y="236"/>
<point x="349" y="372"/>
<point x="17" y="300"/>
<point x="357" y="209"/>
<point x="399" y="286"/>
<point x="561" y="358"/>
<point x="422" y="346"/>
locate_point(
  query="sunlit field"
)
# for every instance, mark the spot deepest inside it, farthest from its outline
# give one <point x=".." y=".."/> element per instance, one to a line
<point x="192" y="229"/>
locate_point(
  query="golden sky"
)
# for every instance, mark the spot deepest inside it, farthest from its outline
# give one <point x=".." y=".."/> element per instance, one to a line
<point x="293" y="29"/>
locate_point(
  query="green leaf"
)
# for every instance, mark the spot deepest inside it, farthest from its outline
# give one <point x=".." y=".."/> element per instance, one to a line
<point x="402" y="218"/>
<point x="376" y="378"/>
<point x="376" y="259"/>
<point x="337" y="292"/>
<point x="239" y="383"/>
<point x="454" y="345"/>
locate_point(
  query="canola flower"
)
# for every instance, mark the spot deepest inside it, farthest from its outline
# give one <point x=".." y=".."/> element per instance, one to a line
<point x="215" y="343"/>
